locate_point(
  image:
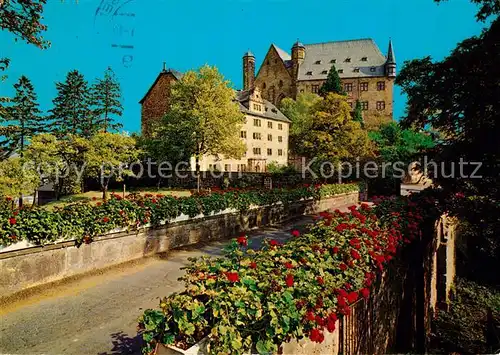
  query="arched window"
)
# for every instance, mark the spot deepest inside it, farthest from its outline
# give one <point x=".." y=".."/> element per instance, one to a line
<point x="264" y="85"/>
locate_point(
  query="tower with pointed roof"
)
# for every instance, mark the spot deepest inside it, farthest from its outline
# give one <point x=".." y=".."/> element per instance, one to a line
<point x="390" y="65"/>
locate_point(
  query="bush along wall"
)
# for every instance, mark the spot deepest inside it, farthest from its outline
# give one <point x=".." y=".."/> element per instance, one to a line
<point x="84" y="221"/>
<point x="255" y="300"/>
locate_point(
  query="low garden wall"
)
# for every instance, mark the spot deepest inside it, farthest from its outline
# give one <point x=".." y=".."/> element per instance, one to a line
<point x="24" y="268"/>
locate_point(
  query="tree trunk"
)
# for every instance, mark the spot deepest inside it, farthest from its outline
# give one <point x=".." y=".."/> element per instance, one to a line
<point x="20" y="200"/>
<point x="104" y="192"/>
<point x="198" y="178"/>
<point x="34" y="198"/>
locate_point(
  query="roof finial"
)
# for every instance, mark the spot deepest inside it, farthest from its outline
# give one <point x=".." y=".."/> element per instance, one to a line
<point x="164" y="66"/>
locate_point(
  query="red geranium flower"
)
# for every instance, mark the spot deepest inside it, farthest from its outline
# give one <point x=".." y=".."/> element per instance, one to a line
<point x="335" y="250"/>
<point x="289" y="280"/>
<point x="352" y="297"/>
<point x="253" y="265"/>
<point x="288" y="265"/>
<point x="242" y="241"/>
<point x="233" y="276"/>
<point x="320" y="280"/>
<point x="310" y="316"/>
<point x="319" y="321"/>
<point x="343" y="267"/>
<point x="316" y="336"/>
<point x="295" y="233"/>
<point x="330" y="325"/>
<point x="273" y="242"/>
<point x="12" y="220"/>
<point x="355" y="254"/>
<point x="105" y="219"/>
<point x="8" y="198"/>
<point x="365" y="292"/>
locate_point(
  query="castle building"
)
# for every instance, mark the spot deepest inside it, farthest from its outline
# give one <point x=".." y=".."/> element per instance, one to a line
<point x="265" y="131"/>
<point x="366" y="74"/>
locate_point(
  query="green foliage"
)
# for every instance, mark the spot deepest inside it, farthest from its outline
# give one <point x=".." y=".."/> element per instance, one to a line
<point x="22" y="19"/>
<point x="72" y="113"/>
<point x="333" y="84"/>
<point x="204" y="116"/>
<point x="276" y="169"/>
<point x="106" y="102"/>
<point x="464" y="328"/>
<point x="301" y="113"/>
<point x="21" y="119"/>
<point x="396" y="144"/>
<point x="15" y="179"/>
<point x="333" y="135"/>
<point x="254" y="300"/>
<point x="357" y="115"/>
<point x="83" y="221"/>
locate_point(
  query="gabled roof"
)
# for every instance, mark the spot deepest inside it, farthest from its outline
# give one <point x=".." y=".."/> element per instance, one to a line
<point x="270" y="111"/>
<point x="283" y="55"/>
<point x="176" y="74"/>
<point x="354" y="58"/>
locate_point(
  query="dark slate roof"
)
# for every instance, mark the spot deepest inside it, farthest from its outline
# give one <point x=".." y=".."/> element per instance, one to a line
<point x="177" y="74"/>
<point x="391" y="58"/>
<point x="270" y="111"/>
<point x="340" y="51"/>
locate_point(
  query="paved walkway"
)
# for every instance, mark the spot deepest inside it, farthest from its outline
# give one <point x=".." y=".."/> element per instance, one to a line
<point x="98" y="314"/>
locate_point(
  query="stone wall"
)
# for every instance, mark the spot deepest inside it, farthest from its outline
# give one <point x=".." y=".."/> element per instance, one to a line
<point x="25" y="268"/>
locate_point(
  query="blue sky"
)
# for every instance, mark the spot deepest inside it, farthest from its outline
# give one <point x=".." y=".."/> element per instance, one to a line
<point x="187" y="34"/>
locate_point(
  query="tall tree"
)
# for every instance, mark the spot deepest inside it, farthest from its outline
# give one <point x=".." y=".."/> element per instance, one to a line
<point x="72" y="113"/>
<point x="106" y="101"/>
<point x="332" y="83"/>
<point x="203" y="112"/>
<point x="301" y="113"/>
<point x="22" y="18"/>
<point x="334" y="135"/>
<point x="21" y="118"/>
<point x="357" y="115"/>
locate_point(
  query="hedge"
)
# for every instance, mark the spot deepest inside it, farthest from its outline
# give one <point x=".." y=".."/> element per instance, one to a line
<point x="84" y="221"/>
<point x="254" y="300"/>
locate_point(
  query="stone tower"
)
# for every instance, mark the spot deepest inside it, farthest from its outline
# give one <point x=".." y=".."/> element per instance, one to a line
<point x="248" y="70"/>
<point x="298" y="55"/>
<point x="390" y="65"/>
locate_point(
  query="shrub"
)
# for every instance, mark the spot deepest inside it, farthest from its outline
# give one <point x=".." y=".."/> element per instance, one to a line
<point x="84" y="221"/>
<point x="254" y="300"/>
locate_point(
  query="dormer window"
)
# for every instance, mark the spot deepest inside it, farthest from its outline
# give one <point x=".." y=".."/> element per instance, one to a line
<point x="372" y="69"/>
<point x="364" y="59"/>
<point x="309" y="73"/>
<point x="348" y="60"/>
<point x="340" y="71"/>
<point x="318" y="62"/>
<point x="333" y="61"/>
<point x="356" y="70"/>
<point x="324" y="72"/>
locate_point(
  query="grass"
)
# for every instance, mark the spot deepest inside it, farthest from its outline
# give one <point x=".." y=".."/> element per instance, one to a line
<point x="96" y="196"/>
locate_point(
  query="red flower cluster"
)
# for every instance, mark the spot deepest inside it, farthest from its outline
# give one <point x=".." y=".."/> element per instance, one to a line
<point x="105" y="219"/>
<point x="242" y="240"/>
<point x="12" y="221"/>
<point x="232" y="276"/>
<point x="289" y="280"/>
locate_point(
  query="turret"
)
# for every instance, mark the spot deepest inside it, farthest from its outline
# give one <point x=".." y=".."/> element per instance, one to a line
<point x="298" y="55"/>
<point x="390" y="64"/>
<point x="248" y="70"/>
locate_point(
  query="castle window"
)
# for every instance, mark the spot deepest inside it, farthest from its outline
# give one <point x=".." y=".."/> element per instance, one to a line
<point x="226" y="167"/>
<point x="348" y="87"/>
<point x="333" y="61"/>
<point x="372" y="69"/>
<point x="340" y="71"/>
<point x="356" y="70"/>
<point x="318" y="62"/>
<point x="364" y="105"/>
<point x="270" y="137"/>
<point x="263" y="85"/>
<point x="267" y="62"/>
<point x="309" y="73"/>
<point x="280" y="126"/>
<point x="324" y="72"/>
<point x="348" y="60"/>
<point x="380" y="105"/>
<point x="381" y="85"/>
<point x="269" y="124"/>
<point x="243" y="134"/>
<point x="256" y="136"/>
<point x="280" y="84"/>
<point x="314" y="89"/>
<point x="269" y="151"/>
<point x="280" y="152"/>
<point x="364" y="59"/>
<point x="256" y="151"/>
<point x="301" y="90"/>
<point x="257" y="107"/>
<point x="256" y="122"/>
<point x="363" y="86"/>
<point x="280" y="139"/>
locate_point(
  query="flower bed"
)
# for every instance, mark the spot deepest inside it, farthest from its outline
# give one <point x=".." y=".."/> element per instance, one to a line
<point x="83" y="221"/>
<point x="255" y="300"/>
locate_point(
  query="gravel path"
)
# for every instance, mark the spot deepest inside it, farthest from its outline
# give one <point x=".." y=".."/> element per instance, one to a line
<point x="98" y="314"/>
